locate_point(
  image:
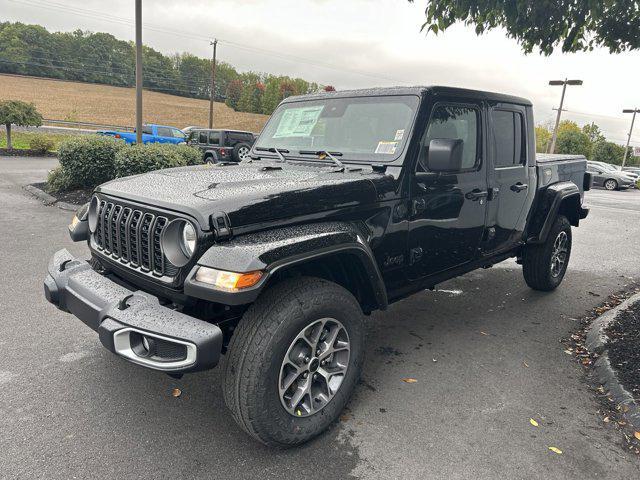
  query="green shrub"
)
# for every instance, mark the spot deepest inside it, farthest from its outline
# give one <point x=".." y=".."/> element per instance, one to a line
<point x="58" y="181"/>
<point x="89" y="160"/>
<point x="137" y="159"/>
<point x="191" y="155"/>
<point x="41" y="143"/>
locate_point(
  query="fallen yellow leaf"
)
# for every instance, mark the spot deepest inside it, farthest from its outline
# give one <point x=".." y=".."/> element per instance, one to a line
<point x="556" y="450"/>
<point x="409" y="380"/>
<point x="533" y="422"/>
<point x="176" y="392"/>
<point x="637" y="435"/>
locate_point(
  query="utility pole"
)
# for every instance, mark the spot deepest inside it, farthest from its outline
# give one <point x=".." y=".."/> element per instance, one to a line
<point x="139" y="72"/>
<point x="564" y="84"/>
<point x="633" y="119"/>
<point x="213" y="81"/>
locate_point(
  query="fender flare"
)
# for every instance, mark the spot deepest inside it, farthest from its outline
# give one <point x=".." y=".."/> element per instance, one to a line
<point x="211" y="152"/>
<point x="561" y="197"/>
<point x="275" y="250"/>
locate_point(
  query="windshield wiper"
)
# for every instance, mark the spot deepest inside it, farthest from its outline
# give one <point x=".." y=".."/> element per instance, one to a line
<point x="322" y="154"/>
<point x="277" y="151"/>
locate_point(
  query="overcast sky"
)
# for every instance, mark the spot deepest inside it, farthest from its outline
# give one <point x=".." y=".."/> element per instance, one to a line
<point x="359" y="43"/>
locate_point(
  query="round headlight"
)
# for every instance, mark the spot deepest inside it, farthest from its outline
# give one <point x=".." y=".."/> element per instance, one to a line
<point x="188" y="239"/>
<point x="94" y="206"/>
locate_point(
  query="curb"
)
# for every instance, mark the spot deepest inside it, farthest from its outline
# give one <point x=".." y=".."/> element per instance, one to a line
<point x="50" y="199"/>
<point x="596" y="342"/>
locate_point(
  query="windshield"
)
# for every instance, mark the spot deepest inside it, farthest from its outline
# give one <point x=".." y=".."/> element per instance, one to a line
<point x="359" y="128"/>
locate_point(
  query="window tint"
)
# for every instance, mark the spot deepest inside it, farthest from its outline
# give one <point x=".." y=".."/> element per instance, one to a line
<point x="202" y="138"/>
<point x="508" y="139"/>
<point x="164" y="132"/>
<point x="454" y="122"/>
<point x="214" y="138"/>
<point x="147" y="130"/>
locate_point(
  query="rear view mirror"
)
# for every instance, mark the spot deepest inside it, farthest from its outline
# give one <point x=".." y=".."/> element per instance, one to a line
<point x="445" y="155"/>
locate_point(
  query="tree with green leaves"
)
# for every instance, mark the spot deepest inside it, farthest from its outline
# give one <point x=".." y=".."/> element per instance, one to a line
<point x="543" y="137"/>
<point x="571" y="25"/>
<point x="15" y="112"/>
<point x="572" y="142"/>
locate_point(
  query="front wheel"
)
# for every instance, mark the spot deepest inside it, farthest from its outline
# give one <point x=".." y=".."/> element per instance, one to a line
<point x="545" y="265"/>
<point x="294" y="361"/>
<point x="611" y="184"/>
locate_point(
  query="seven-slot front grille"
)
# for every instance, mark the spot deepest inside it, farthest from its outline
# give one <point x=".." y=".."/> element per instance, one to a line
<point x="133" y="237"/>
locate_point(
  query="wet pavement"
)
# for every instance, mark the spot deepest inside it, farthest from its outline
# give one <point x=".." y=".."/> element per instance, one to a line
<point x="485" y="351"/>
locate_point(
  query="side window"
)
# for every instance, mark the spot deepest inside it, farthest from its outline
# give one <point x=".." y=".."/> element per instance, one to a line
<point x="508" y="140"/>
<point x="177" y="133"/>
<point x="453" y="122"/>
<point x="202" y="138"/>
<point x="147" y="130"/>
<point x="214" y="138"/>
<point x="164" y="132"/>
<point x="233" y="139"/>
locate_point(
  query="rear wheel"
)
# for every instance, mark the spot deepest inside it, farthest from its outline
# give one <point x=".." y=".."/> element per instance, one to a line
<point x="241" y="152"/>
<point x="294" y="361"/>
<point x="611" y="184"/>
<point x="544" y="265"/>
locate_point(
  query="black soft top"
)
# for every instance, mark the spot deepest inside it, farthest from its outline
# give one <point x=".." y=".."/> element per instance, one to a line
<point x="420" y="91"/>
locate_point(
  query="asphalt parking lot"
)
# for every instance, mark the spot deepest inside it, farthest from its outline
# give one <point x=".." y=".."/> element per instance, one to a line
<point x="485" y="351"/>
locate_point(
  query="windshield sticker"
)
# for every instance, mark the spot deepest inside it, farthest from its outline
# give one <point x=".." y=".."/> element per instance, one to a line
<point x="298" y="122"/>
<point x="387" y="148"/>
<point x="399" y="135"/>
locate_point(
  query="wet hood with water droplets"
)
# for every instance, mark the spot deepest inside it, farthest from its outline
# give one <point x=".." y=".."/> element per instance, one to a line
<point x="248" y="193"/>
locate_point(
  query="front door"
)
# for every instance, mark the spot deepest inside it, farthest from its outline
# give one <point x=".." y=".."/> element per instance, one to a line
<point x="448" y="209"/>
<point x="511" y="177"/>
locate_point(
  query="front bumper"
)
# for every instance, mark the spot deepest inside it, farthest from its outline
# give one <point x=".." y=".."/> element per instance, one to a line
<point x="173" y="342"/>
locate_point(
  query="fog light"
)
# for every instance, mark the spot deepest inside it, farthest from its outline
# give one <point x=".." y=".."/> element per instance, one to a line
<point x="145" y="344"/>
<point x="228" y="280"/>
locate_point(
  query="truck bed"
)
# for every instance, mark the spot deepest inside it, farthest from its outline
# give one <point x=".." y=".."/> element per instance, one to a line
<point x="554" y="168"/>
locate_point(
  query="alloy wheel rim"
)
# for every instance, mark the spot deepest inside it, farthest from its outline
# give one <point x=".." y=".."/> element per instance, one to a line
<point x="243" y="152"/>
<point x="314" y="367"/>
<point x="611" y="185"/>
<point x="559" y="253"/>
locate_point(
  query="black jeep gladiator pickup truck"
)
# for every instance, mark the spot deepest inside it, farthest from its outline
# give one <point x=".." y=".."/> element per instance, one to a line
<point x="349" y="201"/>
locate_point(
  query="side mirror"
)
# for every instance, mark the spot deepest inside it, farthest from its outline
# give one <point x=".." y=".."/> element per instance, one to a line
<point x="445" y="155"/>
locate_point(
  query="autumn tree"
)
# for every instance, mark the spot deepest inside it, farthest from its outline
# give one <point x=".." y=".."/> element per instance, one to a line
<point x="234" y="91"/>
<point x="15" y="112"/>
<point x="571" y="25"/>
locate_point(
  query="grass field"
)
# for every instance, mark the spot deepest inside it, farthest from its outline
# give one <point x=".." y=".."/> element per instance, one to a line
<point x="22" y="140"/>
<point x="86" y="102"/>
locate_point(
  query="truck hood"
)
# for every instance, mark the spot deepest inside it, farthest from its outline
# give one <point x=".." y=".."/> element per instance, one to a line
<point x="249" y="193"/>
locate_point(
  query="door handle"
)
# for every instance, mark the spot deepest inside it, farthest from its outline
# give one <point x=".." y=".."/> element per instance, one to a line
<point x="476" y="194"/>
<point x="419" y="205"/>
<point x="519" y="187"/>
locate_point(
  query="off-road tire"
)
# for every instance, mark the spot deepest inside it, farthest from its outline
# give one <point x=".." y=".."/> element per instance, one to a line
<point x="611" y="184"/>
<point x="257" y="350"/>
<point x="235" y="154"/>
<point x="536" y="258"/>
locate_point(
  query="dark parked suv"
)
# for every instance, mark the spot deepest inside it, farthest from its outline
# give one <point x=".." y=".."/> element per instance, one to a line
<point x="222" y="145"/>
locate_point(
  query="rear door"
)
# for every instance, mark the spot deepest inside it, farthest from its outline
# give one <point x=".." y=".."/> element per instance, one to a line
<point x="165" y="135"/>
<point x="511" y="176"/>
<point x="448" y="209"/>
<point x="597" y="174"/>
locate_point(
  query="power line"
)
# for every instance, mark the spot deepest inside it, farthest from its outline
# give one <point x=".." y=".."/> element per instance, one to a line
<point x="124" y="21"/>
<point x="150" y="87"/>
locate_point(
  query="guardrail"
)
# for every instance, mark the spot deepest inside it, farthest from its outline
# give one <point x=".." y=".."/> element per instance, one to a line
<point x="88" y="125"/>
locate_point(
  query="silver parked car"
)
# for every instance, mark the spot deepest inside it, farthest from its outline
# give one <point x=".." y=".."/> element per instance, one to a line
<point x="610" y="178"/>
